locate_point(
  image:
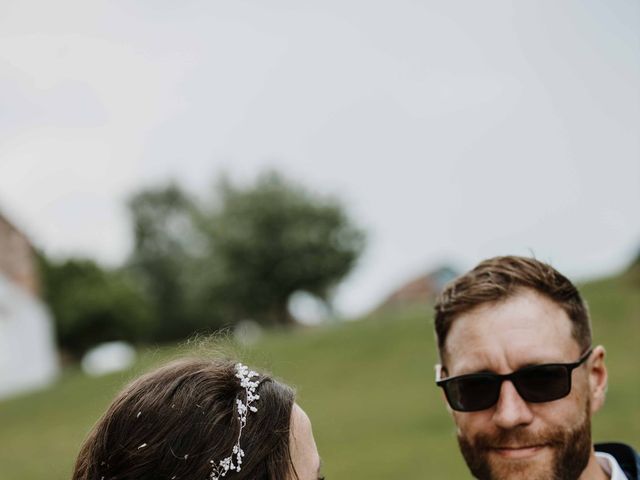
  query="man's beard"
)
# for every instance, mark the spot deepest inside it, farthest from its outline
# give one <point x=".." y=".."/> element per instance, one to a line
<point x="570" y="448"/>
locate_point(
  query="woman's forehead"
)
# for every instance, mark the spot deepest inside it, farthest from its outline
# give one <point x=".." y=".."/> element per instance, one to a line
<point x="303" y="446"/>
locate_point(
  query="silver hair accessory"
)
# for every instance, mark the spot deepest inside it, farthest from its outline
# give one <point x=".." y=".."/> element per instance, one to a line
<point x="234" y="461"/>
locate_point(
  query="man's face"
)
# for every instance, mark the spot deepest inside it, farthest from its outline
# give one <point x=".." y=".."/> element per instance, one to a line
<point x="514" y="438"/>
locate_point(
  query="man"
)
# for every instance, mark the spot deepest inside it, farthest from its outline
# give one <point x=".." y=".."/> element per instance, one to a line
<point x="521" y="377"/>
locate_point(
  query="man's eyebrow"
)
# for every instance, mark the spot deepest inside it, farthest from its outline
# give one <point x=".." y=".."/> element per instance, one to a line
<point x="531" y="363"/>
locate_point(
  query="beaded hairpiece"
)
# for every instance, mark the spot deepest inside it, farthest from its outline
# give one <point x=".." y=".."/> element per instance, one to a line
<point x="234" y="461"/>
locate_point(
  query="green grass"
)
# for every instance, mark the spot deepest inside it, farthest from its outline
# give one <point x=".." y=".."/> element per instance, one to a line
<point x="367" y="386"/>
<point x="615" y="310"/>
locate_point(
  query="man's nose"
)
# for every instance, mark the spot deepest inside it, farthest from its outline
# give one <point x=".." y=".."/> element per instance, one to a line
<point x="511" y="410"/>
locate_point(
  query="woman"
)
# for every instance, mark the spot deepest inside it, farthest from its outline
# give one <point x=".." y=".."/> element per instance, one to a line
<point x="201" y="419"/>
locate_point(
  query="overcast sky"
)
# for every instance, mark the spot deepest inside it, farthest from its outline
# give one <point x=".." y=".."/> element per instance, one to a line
<point x="453" y="130"/>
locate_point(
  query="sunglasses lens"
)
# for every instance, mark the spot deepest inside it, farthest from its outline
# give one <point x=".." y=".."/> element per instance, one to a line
<point x="544" y="383"/>
<point x="472" y="393"/>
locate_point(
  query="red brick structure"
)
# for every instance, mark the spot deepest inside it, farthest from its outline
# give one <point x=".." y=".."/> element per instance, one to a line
<point x="17" y="258"/>
<point x="28" y="355"/>
<point x="420" y="290"/>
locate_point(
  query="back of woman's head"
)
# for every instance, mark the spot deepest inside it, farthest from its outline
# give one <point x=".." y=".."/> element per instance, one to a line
<point x="180" y="420"/>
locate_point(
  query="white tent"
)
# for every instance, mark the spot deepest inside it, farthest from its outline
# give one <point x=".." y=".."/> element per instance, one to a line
<point x="28" y="358"/>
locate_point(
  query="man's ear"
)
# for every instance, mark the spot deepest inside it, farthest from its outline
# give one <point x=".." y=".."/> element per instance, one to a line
<point x="597" y="378"/>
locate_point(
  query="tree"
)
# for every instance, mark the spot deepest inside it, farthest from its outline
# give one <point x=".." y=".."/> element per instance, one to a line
<point x="205" y="266"/>
<point x="92" y="305"/>
<point x="166" y="247"/>
<point x="272" y="239"/>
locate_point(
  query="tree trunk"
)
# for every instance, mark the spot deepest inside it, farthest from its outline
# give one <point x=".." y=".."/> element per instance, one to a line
<point x="279" y="314"/>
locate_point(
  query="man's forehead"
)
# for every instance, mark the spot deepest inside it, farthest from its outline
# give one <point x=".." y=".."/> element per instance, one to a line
<point x="526" y="327"/>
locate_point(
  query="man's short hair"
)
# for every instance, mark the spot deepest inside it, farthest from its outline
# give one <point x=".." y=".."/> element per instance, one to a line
<point x="499" y="278"/>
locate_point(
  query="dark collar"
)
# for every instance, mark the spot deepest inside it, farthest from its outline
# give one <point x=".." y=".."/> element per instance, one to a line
<point x="626" y="457"/>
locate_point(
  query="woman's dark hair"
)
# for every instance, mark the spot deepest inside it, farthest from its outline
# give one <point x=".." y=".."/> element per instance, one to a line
<point x="171" y="423"/>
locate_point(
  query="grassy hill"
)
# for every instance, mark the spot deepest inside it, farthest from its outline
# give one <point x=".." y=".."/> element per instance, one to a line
<point x="367" y="386"/>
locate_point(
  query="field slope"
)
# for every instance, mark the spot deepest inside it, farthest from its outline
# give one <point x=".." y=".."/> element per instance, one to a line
<point x="367" y="386"/>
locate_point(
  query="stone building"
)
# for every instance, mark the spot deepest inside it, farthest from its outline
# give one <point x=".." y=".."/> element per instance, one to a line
<point x="28" y="357"/>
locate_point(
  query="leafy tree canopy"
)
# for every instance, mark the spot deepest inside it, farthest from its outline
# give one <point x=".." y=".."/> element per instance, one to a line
<point x="207" y="265"/>
<point x="167" y="243"/>
<point x="92" y="305"/>
<point x="274" y="238"/>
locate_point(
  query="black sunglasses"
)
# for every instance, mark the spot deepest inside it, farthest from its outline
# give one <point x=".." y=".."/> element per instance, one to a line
<point x="536" y="384"/>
